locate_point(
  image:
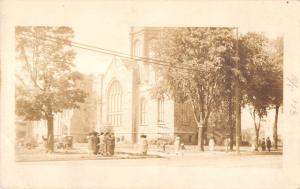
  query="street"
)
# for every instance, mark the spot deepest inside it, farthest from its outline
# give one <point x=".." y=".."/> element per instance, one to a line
<point x="205" y="170"/>
<point x="203" y="160"/>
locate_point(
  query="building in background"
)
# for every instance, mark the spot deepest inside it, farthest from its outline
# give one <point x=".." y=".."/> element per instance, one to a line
<point x="75" y="122"/>
<point x="125" y="101"/>
<point x="121" y="99"/>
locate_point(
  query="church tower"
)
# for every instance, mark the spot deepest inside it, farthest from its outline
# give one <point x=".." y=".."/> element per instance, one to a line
<point x="141" y="41"/>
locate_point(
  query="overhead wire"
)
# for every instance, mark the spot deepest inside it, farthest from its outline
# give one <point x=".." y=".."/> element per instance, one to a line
<point x="110" y="52"/>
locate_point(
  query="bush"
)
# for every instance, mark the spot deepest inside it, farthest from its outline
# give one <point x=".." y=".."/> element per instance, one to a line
<point x="168" y="140"/>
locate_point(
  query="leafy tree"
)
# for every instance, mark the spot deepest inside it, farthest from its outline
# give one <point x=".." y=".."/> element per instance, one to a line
<point x="197" y="57"/>
<point x="257" y="69"/>
<point x="47" y="83"/>
<point x="277" y="82"/>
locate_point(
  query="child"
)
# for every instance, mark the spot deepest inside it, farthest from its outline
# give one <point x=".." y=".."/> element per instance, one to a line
<point x="182" y="148"/>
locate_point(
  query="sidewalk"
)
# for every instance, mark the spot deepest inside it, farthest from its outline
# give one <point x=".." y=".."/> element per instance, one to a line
<point x="190" y="150"/>
<point x="77" y="153"/>
<point x="127" y="151"/>
<point x="194" y="151"/>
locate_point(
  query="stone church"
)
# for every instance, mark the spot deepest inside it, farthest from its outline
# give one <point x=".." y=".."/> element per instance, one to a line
<point x="125" y="102"/>
<point x="121" y="99"/>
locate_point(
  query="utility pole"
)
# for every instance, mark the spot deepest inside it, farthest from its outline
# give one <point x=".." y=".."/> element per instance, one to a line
<point x="237" y="97"/>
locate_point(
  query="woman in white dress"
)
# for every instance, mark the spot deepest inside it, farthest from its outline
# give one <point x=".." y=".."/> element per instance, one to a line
<point x="177" y="145"/>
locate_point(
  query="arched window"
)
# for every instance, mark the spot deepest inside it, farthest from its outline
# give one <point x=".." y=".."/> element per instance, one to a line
<point x="143" y="111"/>
<point x="160" y="107"/>
<point x="115" y="104"/>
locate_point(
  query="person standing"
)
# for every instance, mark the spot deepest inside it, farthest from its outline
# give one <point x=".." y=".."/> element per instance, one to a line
<point x="45" y="143"/>
<point x="268" y="141"/>
<point x="109" y="144"/>
<point x="177" y="145"/>
<point x="106" y="144"/>
<point x="144" y="145"/>
<point x="227" y="143"/>
<point x="164" y="143"/>
<point x="113" y="144"/>
<point x="211" y="144"/>
<point x="97" y="141"/>
<point x="182" y="148"/>
<point x="263" y="145"/>
<point x="102" y="144"/>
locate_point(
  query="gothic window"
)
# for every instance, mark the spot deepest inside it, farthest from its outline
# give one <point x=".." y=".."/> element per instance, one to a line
<point x="143" y="111"/>
<point x="160" y="106"/>
<point x="115" y="104"/>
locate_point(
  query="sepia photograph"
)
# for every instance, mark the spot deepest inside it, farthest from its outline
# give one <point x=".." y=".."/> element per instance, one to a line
<point x="106" y="102"/>
<point x="177" y="92"/>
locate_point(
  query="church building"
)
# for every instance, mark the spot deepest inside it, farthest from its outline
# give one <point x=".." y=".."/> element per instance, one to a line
<point x="122" y="99"/>
<point x="125" y="102"/>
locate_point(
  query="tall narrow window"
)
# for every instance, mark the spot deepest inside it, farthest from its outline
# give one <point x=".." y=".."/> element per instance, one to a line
<point x="160" y="110"/>
<point x="151" y="55"/>
<point x="151" y="46"/>
<point x="143" y="111"/>
<point x="115" y="104"/>
<point x="184" y="113"/>
<point x="137" y="48"/>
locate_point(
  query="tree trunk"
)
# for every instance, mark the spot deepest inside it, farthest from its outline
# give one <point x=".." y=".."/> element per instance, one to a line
<point x="50" y="134"/>
<point x="230" y="122"/>
<point x="237" y="102"/>
<point x="200" y="137"/>
<point x="238" y="113"/>
<point x="275" y="135"/>
<point x="256" y="139"/>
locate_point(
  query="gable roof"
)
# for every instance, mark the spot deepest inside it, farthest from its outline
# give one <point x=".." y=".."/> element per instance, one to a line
<point x="128" y="63"/>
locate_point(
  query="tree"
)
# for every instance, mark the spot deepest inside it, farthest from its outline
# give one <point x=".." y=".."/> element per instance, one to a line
<point x="47" y="83"/>
<point x="196" y="57"/>
<point x="257" y="69"/>
<point x="277" y="82"/>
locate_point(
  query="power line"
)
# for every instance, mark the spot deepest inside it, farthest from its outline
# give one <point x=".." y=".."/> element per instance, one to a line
<point x="110" y="52"/>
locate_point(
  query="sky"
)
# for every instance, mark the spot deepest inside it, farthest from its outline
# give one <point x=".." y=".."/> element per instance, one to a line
<point x="107" y="24"/>
<point x="95" y="63"/>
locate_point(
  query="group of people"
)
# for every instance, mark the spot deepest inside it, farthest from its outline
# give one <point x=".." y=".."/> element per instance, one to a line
<point x="103" y="144"/>
<point x="266" y="143"/>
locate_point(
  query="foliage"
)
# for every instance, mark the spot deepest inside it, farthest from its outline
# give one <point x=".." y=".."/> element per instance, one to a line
<point x="261" y="70"/>
<point x="47" y="83"/>
<point x="277" y="68"/>
<point x="198" y="57"/>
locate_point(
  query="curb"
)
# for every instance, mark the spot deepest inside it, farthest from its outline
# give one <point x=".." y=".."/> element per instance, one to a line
<point x="130" y="156"/>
